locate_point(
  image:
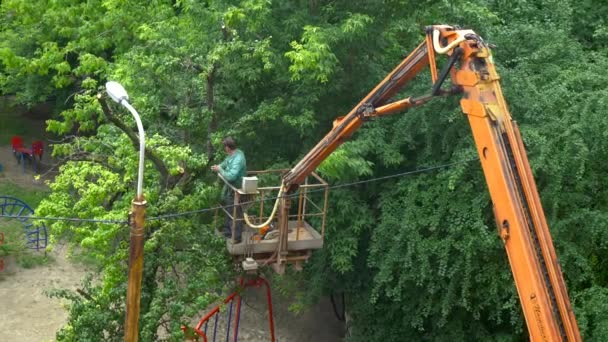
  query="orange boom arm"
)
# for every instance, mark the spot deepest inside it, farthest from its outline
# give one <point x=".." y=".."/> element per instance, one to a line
<point x="519" y="214"/>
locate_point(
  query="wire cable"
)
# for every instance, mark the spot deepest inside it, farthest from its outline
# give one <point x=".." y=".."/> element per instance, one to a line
<point x="199" y="211"/>
<point x="423" y="170"/>
<point x="69" y="219"/>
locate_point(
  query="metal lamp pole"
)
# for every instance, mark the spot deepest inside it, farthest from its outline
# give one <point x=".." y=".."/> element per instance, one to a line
<point x="138" y="211"/>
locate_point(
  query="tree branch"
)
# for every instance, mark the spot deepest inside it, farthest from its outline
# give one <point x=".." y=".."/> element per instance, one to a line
<point x="84" y="156"/>
<point x="85" y="295"/>
<point x="158" y="163"/>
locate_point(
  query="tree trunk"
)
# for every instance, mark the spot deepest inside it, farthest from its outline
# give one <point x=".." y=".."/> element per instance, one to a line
<point x="210" y="106"/>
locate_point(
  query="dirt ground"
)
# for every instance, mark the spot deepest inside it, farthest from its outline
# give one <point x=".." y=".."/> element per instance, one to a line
<point x="316" y="324"/>
<point x="28" y="314"/>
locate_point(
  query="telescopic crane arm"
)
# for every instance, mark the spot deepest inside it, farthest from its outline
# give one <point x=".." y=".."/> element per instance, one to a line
<point x="521" y="221"/>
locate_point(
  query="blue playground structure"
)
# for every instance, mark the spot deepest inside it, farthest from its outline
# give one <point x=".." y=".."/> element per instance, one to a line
<point x="35" y="232"/>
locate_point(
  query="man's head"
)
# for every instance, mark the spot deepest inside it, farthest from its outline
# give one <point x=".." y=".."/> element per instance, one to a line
<point x="229" y="144"/>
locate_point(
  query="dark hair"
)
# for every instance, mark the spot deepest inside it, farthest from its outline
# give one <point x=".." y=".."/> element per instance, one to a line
<point x="229" y="142"/>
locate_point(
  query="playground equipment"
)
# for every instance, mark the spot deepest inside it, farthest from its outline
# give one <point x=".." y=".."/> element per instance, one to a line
<point x="210" y="331"/>
<point x="35" y="233"/>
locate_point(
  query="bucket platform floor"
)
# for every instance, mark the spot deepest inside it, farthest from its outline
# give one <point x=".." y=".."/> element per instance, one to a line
<point x="300" y="238"/>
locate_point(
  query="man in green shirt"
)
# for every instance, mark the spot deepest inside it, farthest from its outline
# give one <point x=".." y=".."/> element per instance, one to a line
<point x="233" y="169"/>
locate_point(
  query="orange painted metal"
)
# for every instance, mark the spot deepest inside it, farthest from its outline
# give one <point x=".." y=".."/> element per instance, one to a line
<point x="136" y="264"/>
<point x="431" y="54"/>
<point x="345" y="127"/>
<point x="538" y="278"/>
<point x="394" y="107"/>
<point x="521" y="221"/>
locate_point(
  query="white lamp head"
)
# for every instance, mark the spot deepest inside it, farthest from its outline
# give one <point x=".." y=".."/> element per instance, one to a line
<point x="116" y="91"/>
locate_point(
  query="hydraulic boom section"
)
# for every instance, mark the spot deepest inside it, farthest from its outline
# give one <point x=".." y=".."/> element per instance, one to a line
<point x="519" y="214"/>
<point x="522" y="223"/>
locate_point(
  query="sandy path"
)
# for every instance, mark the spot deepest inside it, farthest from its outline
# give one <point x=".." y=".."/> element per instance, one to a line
<point x="27" y="314"/>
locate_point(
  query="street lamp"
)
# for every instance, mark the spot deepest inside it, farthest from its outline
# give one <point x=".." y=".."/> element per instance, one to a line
<point x="138" y="211"/>
<point x="119" y="94"/>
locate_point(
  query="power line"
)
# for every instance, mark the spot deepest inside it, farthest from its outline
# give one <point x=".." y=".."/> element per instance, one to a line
<point x="431" y="168"/>
<point x="69" y="219"/>
<point x="199" y="211"/>
<point x="427" y="169"/>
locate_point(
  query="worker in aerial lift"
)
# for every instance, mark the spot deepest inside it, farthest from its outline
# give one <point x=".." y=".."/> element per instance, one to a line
<point x="233" y="169"/>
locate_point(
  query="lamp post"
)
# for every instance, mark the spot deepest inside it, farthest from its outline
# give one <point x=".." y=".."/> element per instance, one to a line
<point x="138" y="211"/>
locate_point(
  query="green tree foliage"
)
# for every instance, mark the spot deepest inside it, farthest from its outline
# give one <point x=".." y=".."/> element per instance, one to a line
<point x="417" y="257"/>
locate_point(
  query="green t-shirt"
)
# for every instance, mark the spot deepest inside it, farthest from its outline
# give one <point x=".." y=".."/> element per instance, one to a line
<point x="233" y="169"/>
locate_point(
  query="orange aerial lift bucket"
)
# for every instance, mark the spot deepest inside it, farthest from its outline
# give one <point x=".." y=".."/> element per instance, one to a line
<point x="278" y="228"/>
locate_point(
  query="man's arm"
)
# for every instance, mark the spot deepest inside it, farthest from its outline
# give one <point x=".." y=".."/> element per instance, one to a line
<point x="218" y="167"/>
<point x="231" y="170"/>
